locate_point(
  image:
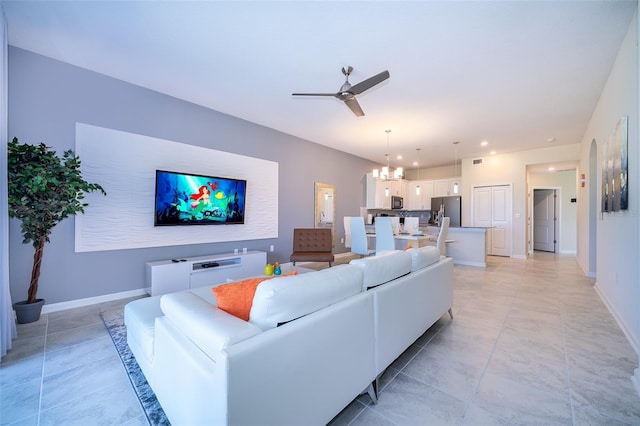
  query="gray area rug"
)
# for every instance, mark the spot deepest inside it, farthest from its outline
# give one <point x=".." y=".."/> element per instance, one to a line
<point x="114" y="321"/>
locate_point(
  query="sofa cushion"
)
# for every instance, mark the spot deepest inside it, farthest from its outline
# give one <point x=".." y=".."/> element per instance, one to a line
<point x="423" y="257"/>
<point x="283" y="299"/>
<point x="139" y="317"/>
<point x="209" y="328"/>
<point x="236" y="298"/>
<point x="383" y="267"/>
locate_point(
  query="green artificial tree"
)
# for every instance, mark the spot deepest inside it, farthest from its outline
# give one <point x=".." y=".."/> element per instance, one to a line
<point x="43" y="190"/>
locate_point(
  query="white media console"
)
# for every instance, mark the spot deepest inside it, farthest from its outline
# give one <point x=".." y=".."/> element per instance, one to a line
<point x="166" y="276"/>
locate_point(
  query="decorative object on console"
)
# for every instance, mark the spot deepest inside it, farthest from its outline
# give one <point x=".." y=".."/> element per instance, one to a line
<point x="188" y="199"/>
<point x="43" y="190"/>
<point x="268" y="269"/>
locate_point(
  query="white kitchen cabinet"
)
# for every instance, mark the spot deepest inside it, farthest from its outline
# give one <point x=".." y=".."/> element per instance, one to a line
<point x="383" y="201"/>
<point x="420" y="201"/>
<point x="396" y="187"/>
<point x="444" y="187"/>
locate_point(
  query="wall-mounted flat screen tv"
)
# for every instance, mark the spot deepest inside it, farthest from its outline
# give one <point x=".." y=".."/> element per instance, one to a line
<point x="189" y="199"/>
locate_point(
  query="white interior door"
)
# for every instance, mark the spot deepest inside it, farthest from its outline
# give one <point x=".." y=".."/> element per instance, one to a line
<point x="482" y="206"/>
<point x="491" y="209"/>
<point x="544" y="220"/>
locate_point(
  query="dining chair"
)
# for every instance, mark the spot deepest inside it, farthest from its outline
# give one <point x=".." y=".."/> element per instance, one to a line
<point x="384" y="234"/>
<point x="442" y="236"/>
<point x="411" y="225"/>
<point x="347" y="231"/>
<point x="359" y="243"/>
<point x="395" y="224"/>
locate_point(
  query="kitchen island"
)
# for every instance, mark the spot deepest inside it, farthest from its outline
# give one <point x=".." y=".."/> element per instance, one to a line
<point x="466" y="245"/>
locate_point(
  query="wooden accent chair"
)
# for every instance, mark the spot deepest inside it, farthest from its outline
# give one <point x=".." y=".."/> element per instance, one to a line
<point x="312" y="245"/>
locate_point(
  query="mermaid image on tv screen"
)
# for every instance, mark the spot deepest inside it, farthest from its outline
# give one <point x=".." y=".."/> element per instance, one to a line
<point x="188" y="199"/>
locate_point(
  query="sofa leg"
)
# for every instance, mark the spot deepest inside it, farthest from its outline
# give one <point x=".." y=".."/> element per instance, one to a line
<point x="450" y="313"/>
<point x="372" y="390"/>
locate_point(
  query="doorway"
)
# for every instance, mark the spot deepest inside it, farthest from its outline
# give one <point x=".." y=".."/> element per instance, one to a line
<point x="545" y="220"/>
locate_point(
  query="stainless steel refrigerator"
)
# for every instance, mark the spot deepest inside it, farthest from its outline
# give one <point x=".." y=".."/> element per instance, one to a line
<point x="447" y="206"/>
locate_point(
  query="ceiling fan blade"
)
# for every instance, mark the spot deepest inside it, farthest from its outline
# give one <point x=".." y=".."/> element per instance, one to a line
<point x="369" y="83"/>
<point x="355" y="106"/>
<point x="313" y="94"/>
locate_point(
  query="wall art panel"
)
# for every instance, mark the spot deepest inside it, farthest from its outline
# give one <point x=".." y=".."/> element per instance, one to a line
<point x="125" y="165"/>
<point x="615" y="191"/>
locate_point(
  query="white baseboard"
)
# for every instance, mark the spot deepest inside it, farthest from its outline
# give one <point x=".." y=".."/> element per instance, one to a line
<point x="55" y="307"/>
<point x="633" y="340"/>
<point x="519" y="256"/>
<point x="590" y="274"/>
<point x="570" y="252"/>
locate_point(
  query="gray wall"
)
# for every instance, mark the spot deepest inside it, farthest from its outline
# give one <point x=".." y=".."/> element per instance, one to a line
<point x="47" y="98"/>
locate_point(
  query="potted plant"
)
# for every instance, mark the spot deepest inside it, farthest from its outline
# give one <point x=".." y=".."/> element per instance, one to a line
<point x="43" y="190"/>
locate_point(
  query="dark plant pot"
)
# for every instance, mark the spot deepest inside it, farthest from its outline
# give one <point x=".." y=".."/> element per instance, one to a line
<point x="28" y="312"/>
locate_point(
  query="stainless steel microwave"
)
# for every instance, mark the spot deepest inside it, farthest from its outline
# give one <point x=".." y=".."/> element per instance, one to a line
<point x="397" y="202"/>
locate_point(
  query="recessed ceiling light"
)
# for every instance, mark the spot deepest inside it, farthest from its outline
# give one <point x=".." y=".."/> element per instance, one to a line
<point x="492" y="153"/>
<point x="415" y="163"/>
<point x="399" y="157"/>
<point x="484" y="143"/>
<point x="551" y="140"/>
<point x="551" y="169"/>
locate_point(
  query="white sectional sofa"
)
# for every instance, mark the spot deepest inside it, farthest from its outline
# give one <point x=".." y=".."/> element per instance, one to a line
<point x="313" y="342"/>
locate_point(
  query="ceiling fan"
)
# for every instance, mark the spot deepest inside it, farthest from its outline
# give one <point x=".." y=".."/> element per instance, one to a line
<point x="347" y="92"/>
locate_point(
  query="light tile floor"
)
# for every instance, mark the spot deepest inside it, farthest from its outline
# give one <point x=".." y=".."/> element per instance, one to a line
<point x="531" y="343"/>
<point x="64" y="370"/>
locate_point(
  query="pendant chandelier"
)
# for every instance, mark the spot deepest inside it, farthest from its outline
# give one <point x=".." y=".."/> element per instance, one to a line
<point x="386" y="173"/>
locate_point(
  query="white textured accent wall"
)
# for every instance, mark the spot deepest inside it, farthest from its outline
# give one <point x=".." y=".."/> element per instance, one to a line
<point x="125" y="164"/>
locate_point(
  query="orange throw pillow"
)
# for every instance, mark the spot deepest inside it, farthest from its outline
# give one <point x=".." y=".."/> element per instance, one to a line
<point x="408" y="247"/>
<point x="237" y="298"/>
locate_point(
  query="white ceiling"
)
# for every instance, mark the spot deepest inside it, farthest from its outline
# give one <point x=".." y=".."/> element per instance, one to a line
<point x="518" y="74"/>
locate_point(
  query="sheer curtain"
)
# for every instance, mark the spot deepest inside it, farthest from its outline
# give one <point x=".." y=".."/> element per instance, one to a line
<point x="7" y="324"/>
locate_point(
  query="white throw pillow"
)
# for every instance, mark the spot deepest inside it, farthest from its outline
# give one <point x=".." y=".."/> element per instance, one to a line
<point x="283" y="299"/>
<point x="384" y="267"/>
